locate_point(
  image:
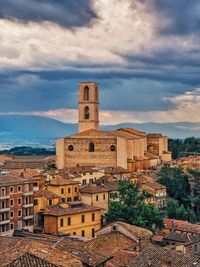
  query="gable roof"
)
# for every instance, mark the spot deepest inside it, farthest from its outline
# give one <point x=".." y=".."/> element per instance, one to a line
<point x="46" y="194"/>
<point x="159" y="257"/>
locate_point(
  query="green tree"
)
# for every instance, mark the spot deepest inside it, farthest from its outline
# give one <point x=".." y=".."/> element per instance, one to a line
<point x="130" y="207"/>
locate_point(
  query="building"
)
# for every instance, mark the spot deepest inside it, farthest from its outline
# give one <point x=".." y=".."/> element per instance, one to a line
<point x="126" y="147"/>
<point x="158" y="191"/>
<point x="73" y="219"/>
<point x="163" y="257"/>
<point x="99" y="195"/>
<point x="16" y="204"/>
<point x="31" y="252"/>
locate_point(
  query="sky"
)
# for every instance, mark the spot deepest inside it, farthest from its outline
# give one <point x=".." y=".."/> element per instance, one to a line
<point x="145" y="55"/>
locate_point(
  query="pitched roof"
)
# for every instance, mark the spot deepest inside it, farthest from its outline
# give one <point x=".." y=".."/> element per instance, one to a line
<point x="46" y="193"/>
<point x="151" y="183"/>
<point x="110" y="243"/>
<point x="181" y="237"/>
<point x="159" y="257"/>
<point x="138" y="232"/>
<point x="60" y="180"/>
<point x="11" y="180"/>
<point x="85" y="254"/>
<point x="58" y="210"/>
<point x="122" y="258"/>
<point x="14" y="250"/>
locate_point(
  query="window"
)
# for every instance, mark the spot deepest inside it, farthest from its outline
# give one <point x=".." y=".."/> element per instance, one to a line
<point x="62" y="191"/>
<point x="3" y="204"/>
<point x="19" y="188"/>
<point x="83" y="233"/>
<point x="11" y="214"/>
<point x="82" y="218"/>
<point x="19" y="213"/>
<point x="91" y="147"/>
<point x="96" y="93"/>
<point x="26" y="187"/>
<point x="112" y="148"/>
<point x="3" y="191"/>
<point x="69" y="190"/>
<point x="75" y="198"/>
<point x="75" y="189"/>
<point x="104" y="196"/>
<point x="11" y="190"/>
<point x="50" y="202"/>
<point x="11" y="202"/>
<point x="93" y="217"/>
<point x="70" y="148"/>
<point x="93" y="232"/>
<point x="86" y="95"/>
<point x="86" y="113"/>
<point x="19" y="225"/>
<point x="69" y="220"/>
<point x="35" y="202"/>
<point x="97" y="198"/>
<point x="27" y="200"/>
<point x="61" y="222"/>
<point x="12" y="226"/>
<point x="19" y="201"/>
<point x="69" y="199"/>
<point x="74" y="233"/>
<point x="84" y="182"/>
<point x="91" y="181"/>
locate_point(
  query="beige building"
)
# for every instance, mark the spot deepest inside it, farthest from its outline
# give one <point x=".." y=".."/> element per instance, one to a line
<point x="125" y="147"/>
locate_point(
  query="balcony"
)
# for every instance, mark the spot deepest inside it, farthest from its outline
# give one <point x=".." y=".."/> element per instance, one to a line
<point x="4" y="197"/>
<point x="28" y="205"/>
<point x="4" y="222"/>
<point x="28" y="217"/>
<point x="28" y="193"/>
<point x="4" y="209"/>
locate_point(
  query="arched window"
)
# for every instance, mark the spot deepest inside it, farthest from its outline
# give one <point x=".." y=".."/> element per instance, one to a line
<point x="86" y="93"/>
<point x="86" y="113"/>
<point x="96" y="93"/>
<point x="91" y="147"/>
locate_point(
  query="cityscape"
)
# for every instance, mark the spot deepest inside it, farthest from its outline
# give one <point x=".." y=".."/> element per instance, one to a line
<point x="99" y="133"/>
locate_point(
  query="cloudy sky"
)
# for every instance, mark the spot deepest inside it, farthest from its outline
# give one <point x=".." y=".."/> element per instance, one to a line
<point x="145" y="55"/>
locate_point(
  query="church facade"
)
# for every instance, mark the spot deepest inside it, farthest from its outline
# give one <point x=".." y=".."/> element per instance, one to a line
<point x="125" y="147"/>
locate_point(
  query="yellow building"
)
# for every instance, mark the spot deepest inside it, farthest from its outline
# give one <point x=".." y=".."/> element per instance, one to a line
<point x="73" y="219"/>
<point x="67" y="190"/>
<point x="44" y="198"/>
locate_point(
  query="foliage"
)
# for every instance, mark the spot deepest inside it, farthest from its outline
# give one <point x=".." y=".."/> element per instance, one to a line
<point x="176" y="182"/>
<point x="188" y="145"/>
<point x="179" y="212"/>
<point x="130" y="207"/>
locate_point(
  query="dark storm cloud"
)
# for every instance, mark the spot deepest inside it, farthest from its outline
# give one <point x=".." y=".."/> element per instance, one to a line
<point x="67" y="13"/>
<point x="184" y="15"/>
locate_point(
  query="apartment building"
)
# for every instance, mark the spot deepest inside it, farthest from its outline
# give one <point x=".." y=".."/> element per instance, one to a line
<point x="16" y="204"/>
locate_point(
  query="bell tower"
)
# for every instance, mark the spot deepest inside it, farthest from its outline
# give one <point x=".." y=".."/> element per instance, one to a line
<point x="88" y="100"/>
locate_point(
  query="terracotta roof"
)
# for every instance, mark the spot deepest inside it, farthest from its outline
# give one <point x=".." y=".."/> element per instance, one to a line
<point x="85" y="254"/>
<point x="159" y="257"/>
<point x="137" y="231"/>
<point x="110" y="243"/>
<point x="57" y="210"/>
<point x="94" y="189"/>
<point x="10" y="180"/>
<point x="46" y="193"/>
<point x="151" y="183"/>
<point x="181" y="237"/>
<point x="171" y="223"/>
<point x="115" y="170"/>
<point x="19" y="250"/>
<point x="122" y="258"/>
<point x="30" y="260"/>
<point x="59" y="180"/>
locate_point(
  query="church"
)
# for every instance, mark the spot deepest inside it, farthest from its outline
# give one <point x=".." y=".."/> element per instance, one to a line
<point x="125" y="147"/>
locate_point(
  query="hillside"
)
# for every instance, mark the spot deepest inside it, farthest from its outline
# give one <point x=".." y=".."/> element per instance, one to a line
<point x="36" y="131"/>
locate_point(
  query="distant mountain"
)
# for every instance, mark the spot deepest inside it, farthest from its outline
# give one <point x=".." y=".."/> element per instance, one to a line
<point x="17" y="130"/>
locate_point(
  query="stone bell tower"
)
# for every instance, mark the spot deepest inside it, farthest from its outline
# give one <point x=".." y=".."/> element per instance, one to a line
<point x="88" y="106"/>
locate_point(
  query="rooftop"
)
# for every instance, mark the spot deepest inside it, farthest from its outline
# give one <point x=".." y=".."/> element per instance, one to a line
<point x="46" y="194"/>
<point x="10" y="180"/>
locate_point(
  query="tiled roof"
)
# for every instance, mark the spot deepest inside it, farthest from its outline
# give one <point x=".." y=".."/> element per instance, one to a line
<point x="46" y="193"/>
<point x="159" y="257"/>
<point x="110" y="243"/>
<point x="17" y="250"/>
<point x="30" y="260"/>
<point x="57" y="210"/>
<point x="115" y="170"/>
<point x="138" y="232"/>
<point x="172" y="224"/>
<point x="85" y="254"/>
<point x="94" y="189"/>
<point x="60" y="180"/>
<point x="181" y="237"/>
<point x="10" y="180"/>
<point x="122" y="258"/>
<point x="151" y="183"/>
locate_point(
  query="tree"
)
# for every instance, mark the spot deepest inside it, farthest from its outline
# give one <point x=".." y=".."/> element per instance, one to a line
<point x="129" y="207"/>
<point x="179" y="212"/>
<point x="177" y="183"/>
